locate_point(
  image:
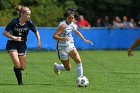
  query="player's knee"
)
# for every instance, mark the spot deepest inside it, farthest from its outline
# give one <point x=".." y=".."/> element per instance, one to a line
<point x="74" y="54"/>
<point x="22" y="68"/>
<point x="17" y="66"/>
<point x="68" y="69"/>
<point x="77" y="60"/>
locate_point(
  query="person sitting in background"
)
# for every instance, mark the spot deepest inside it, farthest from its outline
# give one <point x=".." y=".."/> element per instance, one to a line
<point x="99" y="23"/>
<point x="132" y="23"/>
<point x="106" y="22"/>
<point x="125" y="22"/>
<point x="83" y="23"/>
<point x="117" y="23"/>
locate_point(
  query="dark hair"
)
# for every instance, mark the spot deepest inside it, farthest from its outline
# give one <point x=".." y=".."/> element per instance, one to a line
<point x="71" y="11"/>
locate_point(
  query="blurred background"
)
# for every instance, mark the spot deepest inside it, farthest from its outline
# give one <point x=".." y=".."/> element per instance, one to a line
<point x="112" y="24"/>
<point x="47" y="13"/>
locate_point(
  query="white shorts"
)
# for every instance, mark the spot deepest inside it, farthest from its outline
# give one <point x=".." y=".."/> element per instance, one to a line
<point x="64" y="50"/>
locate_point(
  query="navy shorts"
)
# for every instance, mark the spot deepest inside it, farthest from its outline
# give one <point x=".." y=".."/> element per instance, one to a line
<point x="20" y="47"/>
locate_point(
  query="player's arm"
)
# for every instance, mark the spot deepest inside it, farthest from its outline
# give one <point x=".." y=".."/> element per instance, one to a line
<point x="33" y="29"/>
<point x="38" y="39"/>
<point x="82" y="37"/>
<point x="8" y="28"/>
<point x="58" y="32"/>
<point x="5" y="33"/>
<point x="136" y="43"/>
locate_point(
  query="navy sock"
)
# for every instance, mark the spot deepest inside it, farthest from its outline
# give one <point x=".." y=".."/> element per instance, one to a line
<point x="18" y="74"/>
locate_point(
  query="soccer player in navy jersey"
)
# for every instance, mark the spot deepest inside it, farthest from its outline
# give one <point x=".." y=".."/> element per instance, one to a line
<point x="17" y="31"/>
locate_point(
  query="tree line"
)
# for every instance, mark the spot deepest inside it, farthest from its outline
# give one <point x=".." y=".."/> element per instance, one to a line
<point x="48" y="13"/>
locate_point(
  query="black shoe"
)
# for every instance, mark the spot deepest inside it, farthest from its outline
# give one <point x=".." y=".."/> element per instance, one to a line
<point x="20" y="83"/>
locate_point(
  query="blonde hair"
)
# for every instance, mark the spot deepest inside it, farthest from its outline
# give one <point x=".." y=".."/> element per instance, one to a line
<point x="21" y="9"/>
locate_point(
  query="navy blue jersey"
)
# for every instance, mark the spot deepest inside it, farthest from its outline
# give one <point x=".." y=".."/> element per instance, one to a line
<point x="16" y="29"/>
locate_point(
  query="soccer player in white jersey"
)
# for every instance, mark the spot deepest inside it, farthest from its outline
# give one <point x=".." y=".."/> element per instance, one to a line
<point x="65" y="44"/>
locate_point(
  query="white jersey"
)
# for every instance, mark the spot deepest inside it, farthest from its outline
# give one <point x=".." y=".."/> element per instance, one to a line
<point x="67" y="32"/>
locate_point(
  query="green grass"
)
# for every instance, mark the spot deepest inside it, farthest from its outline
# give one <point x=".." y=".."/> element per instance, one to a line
<point x="107" y="71"/>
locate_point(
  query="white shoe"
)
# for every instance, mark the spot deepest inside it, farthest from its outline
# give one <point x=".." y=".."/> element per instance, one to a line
<point x="56" y="71"/>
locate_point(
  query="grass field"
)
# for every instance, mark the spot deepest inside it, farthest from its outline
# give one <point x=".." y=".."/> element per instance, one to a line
<point x="107" y="71"/>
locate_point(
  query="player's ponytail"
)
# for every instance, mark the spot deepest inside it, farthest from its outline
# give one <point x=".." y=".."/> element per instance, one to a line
<point x="18" y="8"/>
<point x="21" y="9"/>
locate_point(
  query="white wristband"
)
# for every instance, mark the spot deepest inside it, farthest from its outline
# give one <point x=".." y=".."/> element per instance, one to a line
<point x="15" y="38"/>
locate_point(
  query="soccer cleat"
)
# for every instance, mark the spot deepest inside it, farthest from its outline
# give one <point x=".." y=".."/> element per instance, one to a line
<point x="56" y="71"/>
<point x="20" y="83"/>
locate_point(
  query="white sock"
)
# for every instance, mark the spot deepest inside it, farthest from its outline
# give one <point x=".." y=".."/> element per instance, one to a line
<point x="79" y="69"/>
<point x="60" y="67"/>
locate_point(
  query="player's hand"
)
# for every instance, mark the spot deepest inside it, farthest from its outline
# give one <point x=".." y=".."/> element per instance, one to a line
<point x="88" y="41"/>
<point x="130" y="53"/>
<point x="64" y="39"/>
<point x="39" y="44"/>
<point x="17" y="38"/>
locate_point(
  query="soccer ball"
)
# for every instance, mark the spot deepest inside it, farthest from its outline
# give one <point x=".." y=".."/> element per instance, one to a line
<point x="82" y="81"/>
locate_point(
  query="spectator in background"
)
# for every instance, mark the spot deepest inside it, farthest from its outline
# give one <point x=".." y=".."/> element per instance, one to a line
<point x="82" y="23"/>
<point x="106" y="22"/>
<point x="132" y="23"/>
<point x="99" y="23"/>
<point x="117" y="23"/>
<point x="125" y="22"/>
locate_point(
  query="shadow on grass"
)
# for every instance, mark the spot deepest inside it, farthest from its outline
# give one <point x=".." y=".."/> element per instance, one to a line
<point x="126" y="72"/>
<point x="35" y="84"/>
<point x="6" y="84"/>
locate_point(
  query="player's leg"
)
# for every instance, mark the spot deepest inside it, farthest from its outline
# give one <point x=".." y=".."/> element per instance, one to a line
<point x="22" y="48"/>
<point x="64" y="58"/>
<point x="12" y="49"/>
<point x="22" y="59"/>
<point x="17" y="70"/>
<point x="76" y="57"/>
<point x="65" y="66"/>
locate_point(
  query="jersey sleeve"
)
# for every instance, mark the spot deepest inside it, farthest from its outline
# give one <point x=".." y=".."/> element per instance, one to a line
<point x="60" y="24"/>
<point x="74" y="26"/>
<point x="9" y="26"/>
<point x="32" y="26"/>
